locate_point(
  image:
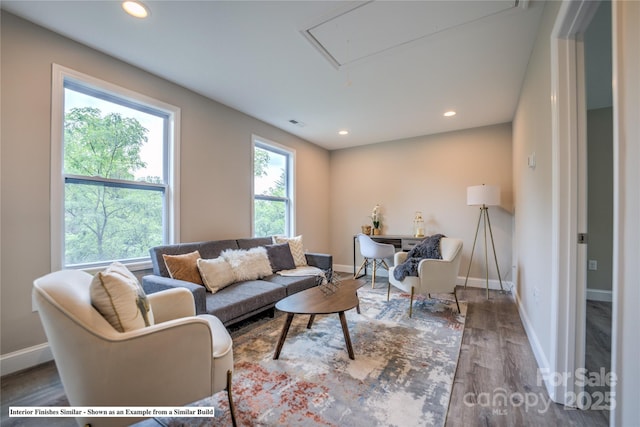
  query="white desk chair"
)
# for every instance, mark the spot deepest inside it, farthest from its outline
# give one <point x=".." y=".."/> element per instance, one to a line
<point x="375" y="253"/>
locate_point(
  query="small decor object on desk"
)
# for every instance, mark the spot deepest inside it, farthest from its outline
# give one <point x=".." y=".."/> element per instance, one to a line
<point x="375" y="219"/>
<point x="418" y="225"/>
<point x="328" y="287"/>
<point x="366" y="229"/>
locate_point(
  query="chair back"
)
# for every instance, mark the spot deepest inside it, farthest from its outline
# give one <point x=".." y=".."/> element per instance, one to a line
<point x="374" y="250"/>
<point x="79" y="337"/>
<point x="450" y="248"/>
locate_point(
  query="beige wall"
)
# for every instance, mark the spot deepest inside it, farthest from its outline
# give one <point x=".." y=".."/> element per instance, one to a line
<point x="215" y="165"/>
<point x="600" y="196"/>
<point x="429" y="174"/>
<point x="532" y="133"/>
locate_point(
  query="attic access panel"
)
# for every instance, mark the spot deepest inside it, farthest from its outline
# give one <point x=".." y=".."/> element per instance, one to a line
<point x="377" y="26"/>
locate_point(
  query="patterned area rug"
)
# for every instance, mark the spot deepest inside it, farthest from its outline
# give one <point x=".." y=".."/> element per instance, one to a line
<point x="401" y="376"/>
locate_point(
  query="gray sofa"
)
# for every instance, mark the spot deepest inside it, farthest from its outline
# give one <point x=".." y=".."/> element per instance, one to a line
<point x="239" y="300"/>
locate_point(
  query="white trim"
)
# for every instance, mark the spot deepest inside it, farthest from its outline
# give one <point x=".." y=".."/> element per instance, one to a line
<point x="58" y="76"/>
<point x="291" y="180"/>
<point x="572" y="19"/>
<point x="536" y="347"/>
<point x="626" y="211"/>
<point x="599" y="295"/>
<point x="25" y="358"/>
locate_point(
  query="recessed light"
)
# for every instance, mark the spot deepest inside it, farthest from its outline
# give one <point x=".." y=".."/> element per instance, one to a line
<point x="450" y="114"/>
<point x="135" y="9"/>
<point x="343" y="132"/>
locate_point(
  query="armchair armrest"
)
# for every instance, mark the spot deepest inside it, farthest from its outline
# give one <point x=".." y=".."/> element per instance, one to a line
<point x="399" y="257"/>
<point x="153" y="283"/>
<point x="172" y="304"/>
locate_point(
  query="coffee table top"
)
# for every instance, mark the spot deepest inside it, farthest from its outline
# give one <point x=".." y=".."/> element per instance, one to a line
<point x="315" y="301"/>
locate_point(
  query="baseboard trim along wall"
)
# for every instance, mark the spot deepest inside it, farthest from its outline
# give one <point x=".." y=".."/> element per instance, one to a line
<point x="25" y="358"/>
<point x="473" y="282"/>
<point x="599" y="295"/>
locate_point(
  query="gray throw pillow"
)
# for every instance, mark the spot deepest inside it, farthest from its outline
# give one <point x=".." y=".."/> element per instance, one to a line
<point x="280" y="257"/>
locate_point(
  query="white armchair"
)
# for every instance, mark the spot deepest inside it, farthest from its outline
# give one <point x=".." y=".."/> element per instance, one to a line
<point x="434" y="275"/>
<point x="178" y="360"/>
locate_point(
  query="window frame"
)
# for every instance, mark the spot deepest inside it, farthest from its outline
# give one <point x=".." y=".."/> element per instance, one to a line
<point x="171" y="166"/>
<point x="290" y="154"/>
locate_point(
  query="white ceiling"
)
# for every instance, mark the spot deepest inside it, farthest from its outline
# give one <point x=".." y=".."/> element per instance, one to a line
<point x="384" y="70"/>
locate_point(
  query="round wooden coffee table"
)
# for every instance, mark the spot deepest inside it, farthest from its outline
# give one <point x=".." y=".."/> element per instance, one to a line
<point x="315" y="301"/>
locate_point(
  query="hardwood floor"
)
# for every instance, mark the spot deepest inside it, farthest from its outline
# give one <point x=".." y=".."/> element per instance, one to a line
<point x="496" y="382"/>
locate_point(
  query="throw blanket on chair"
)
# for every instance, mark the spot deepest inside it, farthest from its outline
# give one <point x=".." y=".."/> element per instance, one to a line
<point x="428" y="248"/>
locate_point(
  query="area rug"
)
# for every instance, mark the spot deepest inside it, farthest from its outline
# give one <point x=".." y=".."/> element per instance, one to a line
<point x="401" y="376"/>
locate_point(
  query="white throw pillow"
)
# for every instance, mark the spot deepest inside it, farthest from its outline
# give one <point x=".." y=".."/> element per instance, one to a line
<point x="216" y="273"/>
<point x="118" y="296"/>
<point x="297" y="249"/>
<point x="249" y="264"/>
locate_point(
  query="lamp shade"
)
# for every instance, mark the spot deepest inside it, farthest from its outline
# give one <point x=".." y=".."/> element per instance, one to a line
<point x="488" y="195"/>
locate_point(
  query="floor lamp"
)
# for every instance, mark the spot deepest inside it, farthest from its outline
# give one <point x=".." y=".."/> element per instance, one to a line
<point x="484" y="196"/>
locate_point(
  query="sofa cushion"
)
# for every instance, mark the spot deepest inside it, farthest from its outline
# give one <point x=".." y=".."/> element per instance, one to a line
<point x="118" y="296"/>
<point x="294" y="284"/>
<point x="253" y="242"/>
<point x="280" y="257"/>
<point x="243" y="298"/>
<point x="248" y="264"/>
<point x="297" y="249"/>
<point x="208" y="250"/>
<point x="184" y="267"/>
<point x="216" y="273"/>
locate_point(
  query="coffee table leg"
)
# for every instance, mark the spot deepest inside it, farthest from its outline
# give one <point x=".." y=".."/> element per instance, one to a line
<point x="283" y="335"/>
<point x="311" y="319"/>
<point x="345" y="331"/>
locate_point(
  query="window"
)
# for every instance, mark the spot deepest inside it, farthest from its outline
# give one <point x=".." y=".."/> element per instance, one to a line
<point x="273" y="179"/>
<point x="113" y="171"/>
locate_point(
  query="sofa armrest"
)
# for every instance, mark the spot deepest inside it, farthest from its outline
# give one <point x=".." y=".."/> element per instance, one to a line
<point x="322" y="261"/>
<point x="152" y="283"/>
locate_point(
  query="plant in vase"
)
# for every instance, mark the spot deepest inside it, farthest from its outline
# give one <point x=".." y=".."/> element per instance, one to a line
<point x="375" y="219"/>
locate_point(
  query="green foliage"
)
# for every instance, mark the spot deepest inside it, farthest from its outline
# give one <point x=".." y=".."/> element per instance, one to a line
<point x="102" y="222"/>
<point x="270" y="215"/>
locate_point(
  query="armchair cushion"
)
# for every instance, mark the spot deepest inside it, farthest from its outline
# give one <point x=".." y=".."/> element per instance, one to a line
<point x="118" y="296"/>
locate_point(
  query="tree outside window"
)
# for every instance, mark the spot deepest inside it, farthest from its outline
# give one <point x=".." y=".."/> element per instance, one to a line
<point x="114" y="185"/>
<point x="272" y="190"/>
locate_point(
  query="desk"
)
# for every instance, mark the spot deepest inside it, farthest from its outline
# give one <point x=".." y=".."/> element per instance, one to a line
<point x="399" y="241"/>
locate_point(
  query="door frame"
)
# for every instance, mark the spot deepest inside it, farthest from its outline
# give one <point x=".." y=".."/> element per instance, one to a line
<point x="568" y="267"/>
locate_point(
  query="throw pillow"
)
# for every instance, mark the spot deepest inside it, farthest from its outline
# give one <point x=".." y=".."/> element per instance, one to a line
<point x="297" y="250"/>
<point x="118" y="296"/>
<point x="216" y="273"/>
<point x="280" y="257"/>
<point x="249" y="264"/>
<point x="184" y="267"/>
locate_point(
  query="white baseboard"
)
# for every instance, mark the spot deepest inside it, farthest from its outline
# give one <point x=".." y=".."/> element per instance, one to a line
<point x="25" y="358"/>
<point x="599" y="295"/>
<point x="538" y="353"/>
<point x="474" y="282"/>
